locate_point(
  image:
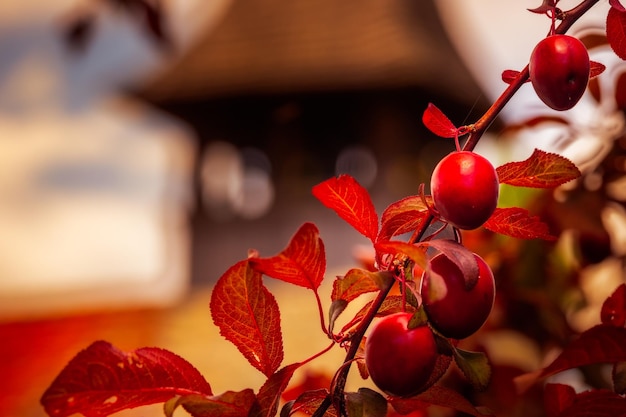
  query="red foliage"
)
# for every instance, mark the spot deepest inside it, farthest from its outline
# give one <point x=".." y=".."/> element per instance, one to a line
<point x="438" y="123"/>
<point x="614" y="308"/>
<point x="517" y="222"/>
<point x="102" y="380"/>
<point x="351" y="202"/>
<point x="541" y="170"/>
<point x="247" y="314"/>
<point x="302" y="263"/>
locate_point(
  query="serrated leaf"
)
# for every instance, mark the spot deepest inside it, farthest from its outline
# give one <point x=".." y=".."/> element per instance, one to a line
<point x="415" y="252"/>
<point x="357" y="282"/>
<point x="616" y="31"/>
<point x="438" y="123"/>
<point x="269" y="394"/>
<point x="402" y="216"/>
<point x="366" y="403"/>
<point x="596" y="403"/>
<point x="437" y="395"/>
<point x="302" y="262"/>
<point x="227" y="404"/>
<point x="103" y="380"/>
<point x="613" y="310"/>
<point x="247" y="315"/>
<point x="595" y="69"/>
<point x="557" y="398"/>
<point x="336" y="308"/>
<point x="475" y="367"/>
<point x="309" y="401"/>
<point x="541" y="170"/>
<point x="518" y="223"/>
<point x="599" y="344"/>
<point x="618" y="375"/>
<point x="351" y="202"/>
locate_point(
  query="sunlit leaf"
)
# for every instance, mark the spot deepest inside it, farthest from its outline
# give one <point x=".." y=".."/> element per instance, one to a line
<point x="392" y="304"/>
<point x="357" y="282"/>
<point x="616" y="30"/>
<point x="438" y="123"/>
<point x="517" y="222"/>
<point x="247" y="315"/>
<point x="302" y="262"/>
<point x="614" y="308"/>
<point x="541" y="170"/>
<point x="403" y="216"/>
<point x="557" y="398"/>
<point x="416" y="253"/>
<point x="441" y="396"/>
<point x="351" y="202"/>
<point x="102" y="380"/>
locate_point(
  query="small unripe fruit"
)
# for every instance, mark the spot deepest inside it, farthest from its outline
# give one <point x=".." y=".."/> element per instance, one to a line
<point x="400" y="360"/>
<point x="465" y="189"/>
<point x="452" y="309"/>
<point x="559" y="71"/>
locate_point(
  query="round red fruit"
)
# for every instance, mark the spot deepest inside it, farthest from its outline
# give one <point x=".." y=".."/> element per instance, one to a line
<point x="452" y="309"/>
<point x="400" y="360"/>
<point x="559" y="71"/>
<point x="465" y="189"/>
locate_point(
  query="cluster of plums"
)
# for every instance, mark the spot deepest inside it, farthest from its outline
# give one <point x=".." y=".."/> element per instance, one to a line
<point x="464" y="186"/>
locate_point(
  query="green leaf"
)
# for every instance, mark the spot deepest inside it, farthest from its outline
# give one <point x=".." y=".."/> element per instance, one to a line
<point x="366" y="403"/>
<point x="418" y="319"/>
<point x="475" y="366"/>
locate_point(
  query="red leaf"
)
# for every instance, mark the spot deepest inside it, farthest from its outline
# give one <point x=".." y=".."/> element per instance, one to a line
<point x="403" y="216"/>
<point x="270" y="392"/>
<point x="310" y="401"/>
<point x="517" y="222"/>
<point x="438" y="123"/>
<point x="227" y="404"/>
<point x="596" y="403"/>
<point x="351" y="202"/>
<point x="558" y="397"/>
<point x="616" y="30"/>
<point x="595" y="69"/>
<point x="392" y="304"/>
<point x="437" y="395"/>
<point x="600" y="344"/>
<point x="541" y="170"/>
<point x="415" y="252"/>
<point x="247" y="315"/>
<point x="357" y="282"/>
<point x="614" y="308"/>
<point x="102" y="380"/>
<point x="303" y="262"/>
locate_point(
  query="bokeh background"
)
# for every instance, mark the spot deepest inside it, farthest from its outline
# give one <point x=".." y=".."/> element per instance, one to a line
<point x="147" y="145"/>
